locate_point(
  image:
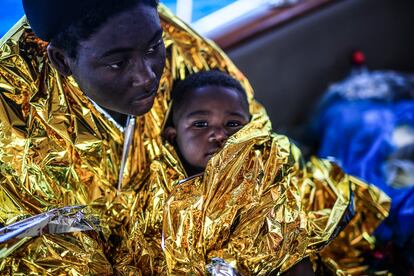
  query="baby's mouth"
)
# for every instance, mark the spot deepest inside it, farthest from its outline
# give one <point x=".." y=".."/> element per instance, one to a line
<point x="211" y="153"/>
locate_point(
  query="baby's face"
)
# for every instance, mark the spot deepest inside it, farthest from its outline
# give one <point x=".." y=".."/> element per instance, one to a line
<point x="211" y="115"/>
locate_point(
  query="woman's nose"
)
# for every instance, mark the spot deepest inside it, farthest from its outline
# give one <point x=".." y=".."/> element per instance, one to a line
<point x="143" y="76"/>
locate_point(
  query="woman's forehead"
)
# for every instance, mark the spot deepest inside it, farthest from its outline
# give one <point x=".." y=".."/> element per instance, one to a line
<point x="132" y="28"/>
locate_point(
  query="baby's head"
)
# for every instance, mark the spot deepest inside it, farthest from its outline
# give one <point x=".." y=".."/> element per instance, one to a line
<point x="208" y="107"/>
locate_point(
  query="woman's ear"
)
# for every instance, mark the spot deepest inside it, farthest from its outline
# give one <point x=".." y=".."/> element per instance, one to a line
<point x="59" y="60"/>
<point x="169" y="134"/>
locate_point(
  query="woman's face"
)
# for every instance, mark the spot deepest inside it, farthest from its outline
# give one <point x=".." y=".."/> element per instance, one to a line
<point x="120" y="66"/>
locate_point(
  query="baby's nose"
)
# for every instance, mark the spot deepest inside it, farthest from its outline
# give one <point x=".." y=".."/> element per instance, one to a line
<point x="219" y="135"/>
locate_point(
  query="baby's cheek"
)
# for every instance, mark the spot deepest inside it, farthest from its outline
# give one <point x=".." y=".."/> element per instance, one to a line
<point x="198" y="157"/>
<point x="191" y="151"/>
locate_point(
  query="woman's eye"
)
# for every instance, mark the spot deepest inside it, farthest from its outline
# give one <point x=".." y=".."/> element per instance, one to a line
<point x="200" y="124"/>
<point x="116" y="65"/>
<point x="234" y="124"/>
<point x="154" y="47"/>
<point x="151" y="51"/>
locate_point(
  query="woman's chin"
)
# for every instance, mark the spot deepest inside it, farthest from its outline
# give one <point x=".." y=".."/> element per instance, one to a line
<point x="142" y="107"/>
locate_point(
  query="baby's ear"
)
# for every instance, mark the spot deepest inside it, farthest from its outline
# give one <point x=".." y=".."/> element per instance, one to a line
<point x="169" y="134"/>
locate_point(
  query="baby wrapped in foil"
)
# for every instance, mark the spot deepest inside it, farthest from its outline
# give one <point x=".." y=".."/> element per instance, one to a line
<point x="253" y="203"/>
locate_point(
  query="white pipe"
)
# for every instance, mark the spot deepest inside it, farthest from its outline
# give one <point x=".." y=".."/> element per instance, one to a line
<point x="225" y="15"/>
<point x="185" y="10"/>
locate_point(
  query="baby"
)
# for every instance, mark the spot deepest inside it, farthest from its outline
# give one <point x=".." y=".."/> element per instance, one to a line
<point x="208" y="107"/>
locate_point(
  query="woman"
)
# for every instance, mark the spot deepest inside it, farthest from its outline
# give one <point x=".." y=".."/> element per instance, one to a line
<point x="60" y="148"/>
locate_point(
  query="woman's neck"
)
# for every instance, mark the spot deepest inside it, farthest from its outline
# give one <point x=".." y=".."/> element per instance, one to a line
<point x="118" y="117"/>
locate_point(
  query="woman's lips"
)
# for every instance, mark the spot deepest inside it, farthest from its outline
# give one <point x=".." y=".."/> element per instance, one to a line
<point x="146" y="96"/>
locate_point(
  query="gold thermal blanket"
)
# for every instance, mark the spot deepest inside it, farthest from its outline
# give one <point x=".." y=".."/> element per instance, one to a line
<point x="258" y="207"/>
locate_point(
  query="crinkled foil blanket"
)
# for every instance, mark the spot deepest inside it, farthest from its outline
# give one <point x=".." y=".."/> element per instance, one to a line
<point x="258" y="207"/>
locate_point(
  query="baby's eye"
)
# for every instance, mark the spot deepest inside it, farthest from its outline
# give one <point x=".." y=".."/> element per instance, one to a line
<point x="234" y="124"/>
<point x="200" y="124"/>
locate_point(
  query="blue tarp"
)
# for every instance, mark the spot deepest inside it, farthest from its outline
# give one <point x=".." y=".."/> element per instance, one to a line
<point x="366" y="124"/>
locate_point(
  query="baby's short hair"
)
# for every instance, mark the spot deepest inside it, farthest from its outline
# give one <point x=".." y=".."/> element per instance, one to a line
<point x="202" y="79"/>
